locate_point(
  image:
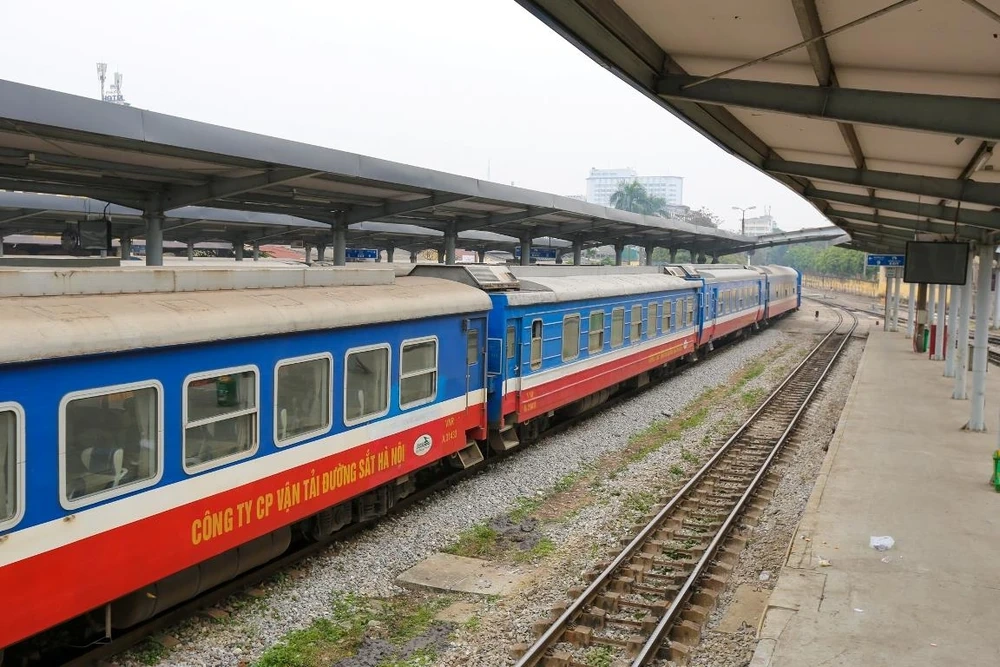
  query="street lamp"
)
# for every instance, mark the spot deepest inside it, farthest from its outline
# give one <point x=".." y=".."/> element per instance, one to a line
<point x="743" y="222"/>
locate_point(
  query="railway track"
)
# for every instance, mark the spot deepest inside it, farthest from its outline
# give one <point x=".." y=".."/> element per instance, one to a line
<point x="650" y="600"/>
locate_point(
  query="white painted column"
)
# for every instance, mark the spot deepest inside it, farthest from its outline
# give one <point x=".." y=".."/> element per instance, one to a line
<point x="977" y="417"/>
<point x="931" y="293"/>
<point x="939" y="334"/>
<point x="896" y="287"/>
<point x="887" y="304"/>
<point x="962" y="337"/>
<point x="911" y="310"/>
<point x="996" y="299"/>
<point x="952" y="342"/>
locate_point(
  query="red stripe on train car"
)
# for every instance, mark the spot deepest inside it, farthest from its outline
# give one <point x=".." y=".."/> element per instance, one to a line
<point x="45" y="590"/>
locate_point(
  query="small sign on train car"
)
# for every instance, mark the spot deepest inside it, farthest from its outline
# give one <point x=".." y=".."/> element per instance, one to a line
<point x="886" y="260"/>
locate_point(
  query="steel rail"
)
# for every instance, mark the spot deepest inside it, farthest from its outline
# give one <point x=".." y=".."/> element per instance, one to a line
<point x="652" y="645"/>
<point x="554" y="632"/>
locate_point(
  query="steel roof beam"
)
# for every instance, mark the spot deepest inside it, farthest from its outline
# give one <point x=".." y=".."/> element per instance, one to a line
<point x="819" y="55"/>
<point x="465" y="224"/>
<point x="986" y="219"/>
<point x="940" y="114"/>
<point x="973" y="192"/>
<point x="888" y="232"/>
<point x="912" y="224"/>
<point x="17" y="214"/>
<point x="368" y="213"/>
<point x="129" y="199"/>
<point x="178" y="197"/>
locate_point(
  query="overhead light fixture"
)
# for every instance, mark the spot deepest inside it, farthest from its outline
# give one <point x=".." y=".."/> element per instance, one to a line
<point x="981" y="161"/>
<point x="959" y="140"/>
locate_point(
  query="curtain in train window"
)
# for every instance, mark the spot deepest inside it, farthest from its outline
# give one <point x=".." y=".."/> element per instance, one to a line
<point x="690" y="307"/>
<point x="617" y="327"/>
<point x="417" y="373"/>
<point x="667" y="312"/>
<point x="221" y="417"/>
<point x="536" y="344"/>
<point x="511" y="341"/>
<point x="652" y="315"/>
<point x="571" y="337"/>
<point x="596" y="332"/>
<point x="366" y="387"/>
<point x="302" y="398"/>
<point x="111" y="440"/>
<point x="636" y="334"/>
<point x="8" y="465"/>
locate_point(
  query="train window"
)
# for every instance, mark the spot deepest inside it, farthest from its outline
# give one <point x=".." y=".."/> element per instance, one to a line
<point x="571" y="337"/>
<point x="303" y="401"/>
<point x="366" y="384"/>
<point x="617" y="327"/>
<point x="220" y="417"/>
<point x="595" y="334"/>
<point x="511" y="341"/>
<point x="636" y="334"/>
<point x="11" y="467"/>
<point x="418" y="372"/>
<point x="667" y="308"/>
<point x="536" y="344"/>
<point x="652" y="315"/>
<point x="472" y="347"/>
<point x="690" y="305"/>
<point x="110" y="441"/>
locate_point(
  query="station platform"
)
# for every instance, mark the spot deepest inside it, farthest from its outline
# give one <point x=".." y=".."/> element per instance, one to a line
<point x="898" y="465"/>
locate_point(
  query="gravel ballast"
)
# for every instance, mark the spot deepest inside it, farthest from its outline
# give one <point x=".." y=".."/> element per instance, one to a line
<point x="368" y="563"/>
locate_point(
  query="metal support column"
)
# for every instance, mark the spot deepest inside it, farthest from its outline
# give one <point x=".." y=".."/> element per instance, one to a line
<point x="977" y="416"/>
<point x="673" y="255"/>
<point x="931" y="304"/>
<point x="715" y="259"/>
<point x="256" y="251"/>
<point x="525" y="251"/>
<point x="939" y="334"/>
<point x="390" y="251"/>
<point x="887" y="301"/>
<point x="896" y="296"/>
<point x="441" y="254"/>
<point x="911" y="310"/>
<point x="190" y="251"/>
<point x="320" y="252"/>
<point x="308" y="248"/>
<point x="154" y="236"/>
<point x="619" y="249"/>
<point x="124" y="246"/>
<point x="449" y="246"/>
<point x="413" y="257"/>
<point x="577" y="253"/>
<point x="951" y="341"/>
<point x="649" y="254"/>
<point x="481" y="256"/>
<point x="701" y="258"/>
<point x="340" y="242"/>
<point x="238" y="250"/>
<point x="996" y="299"/>
<point x="960" y="392"/>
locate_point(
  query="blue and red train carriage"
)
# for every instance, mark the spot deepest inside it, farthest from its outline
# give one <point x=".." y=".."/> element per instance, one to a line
<point x="164" y="430"/>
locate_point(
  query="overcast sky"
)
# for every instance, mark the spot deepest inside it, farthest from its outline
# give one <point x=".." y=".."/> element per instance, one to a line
<point x="473" y="87"/>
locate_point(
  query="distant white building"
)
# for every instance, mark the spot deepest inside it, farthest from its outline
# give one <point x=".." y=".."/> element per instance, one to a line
<point x="760" y="225"/>
<point x="602" y="183"/>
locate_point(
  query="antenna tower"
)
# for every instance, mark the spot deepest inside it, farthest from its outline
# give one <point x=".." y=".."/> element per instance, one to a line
<point x="102" y="74"/>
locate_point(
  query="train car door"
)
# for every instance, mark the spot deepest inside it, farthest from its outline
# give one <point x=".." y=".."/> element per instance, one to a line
<point x="512" y="360"/>
<point x="475" y="358"/>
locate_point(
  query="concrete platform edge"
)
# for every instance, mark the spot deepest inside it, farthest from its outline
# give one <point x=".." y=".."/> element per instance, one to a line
<point x="785" y="599"/>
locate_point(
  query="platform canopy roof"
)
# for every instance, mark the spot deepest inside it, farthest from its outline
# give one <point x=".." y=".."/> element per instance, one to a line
<point x="56" y="143"/>
<point x="883" y="114"/>
<point x="48" y="215"/>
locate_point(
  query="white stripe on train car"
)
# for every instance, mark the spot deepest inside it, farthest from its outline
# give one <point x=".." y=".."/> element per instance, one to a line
<point x="87" y="522"/>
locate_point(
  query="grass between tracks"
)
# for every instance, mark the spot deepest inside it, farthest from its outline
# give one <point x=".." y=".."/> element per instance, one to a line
<point x="351" y="621"/>
<point x="572" y="492"/>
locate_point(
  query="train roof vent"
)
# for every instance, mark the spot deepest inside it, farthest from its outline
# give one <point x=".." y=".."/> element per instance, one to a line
<point x="681" y="270"/>
<point x="488" y="277"/>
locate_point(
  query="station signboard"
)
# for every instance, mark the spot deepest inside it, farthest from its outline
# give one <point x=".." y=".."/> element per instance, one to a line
<point x="538" y="253"/>
<point x="886" y="260"/>
<point x="361" y="253"/>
